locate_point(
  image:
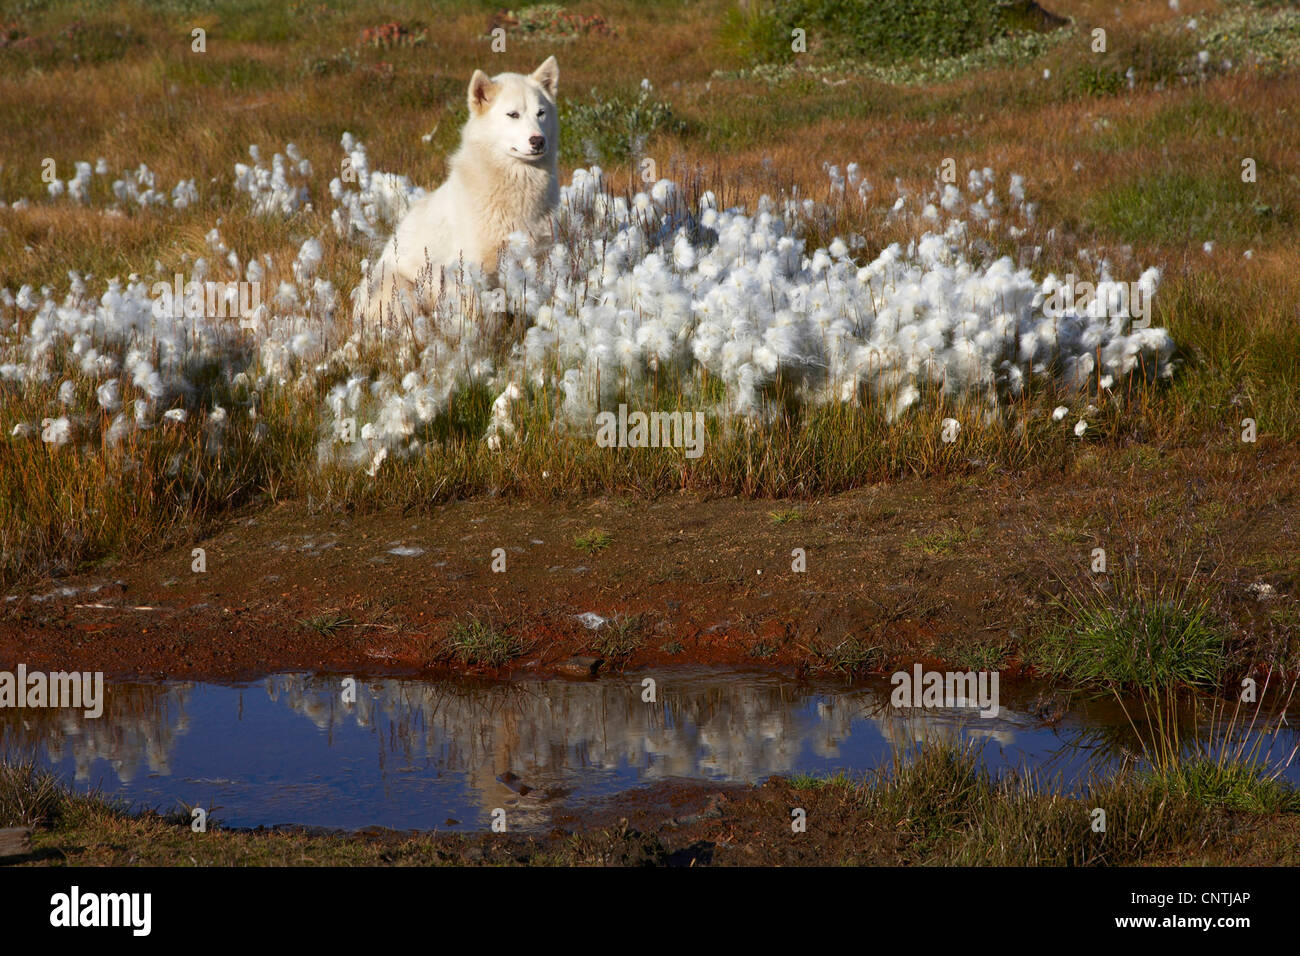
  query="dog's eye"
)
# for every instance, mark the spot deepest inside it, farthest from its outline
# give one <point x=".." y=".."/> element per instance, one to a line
<point x="541" y="113"/>
<point x="513" y="114"/>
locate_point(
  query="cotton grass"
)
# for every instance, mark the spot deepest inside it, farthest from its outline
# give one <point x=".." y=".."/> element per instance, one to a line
<point x="729" y="308"/>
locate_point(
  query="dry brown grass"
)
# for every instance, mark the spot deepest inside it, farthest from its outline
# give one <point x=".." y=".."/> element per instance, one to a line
<point x="194" y="115"/>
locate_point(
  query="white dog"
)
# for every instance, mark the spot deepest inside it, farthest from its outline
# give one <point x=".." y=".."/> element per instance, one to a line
<point x="503" y="179"/>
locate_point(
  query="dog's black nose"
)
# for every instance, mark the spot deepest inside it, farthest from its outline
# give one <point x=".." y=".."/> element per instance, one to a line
<point x="538" y="143"/>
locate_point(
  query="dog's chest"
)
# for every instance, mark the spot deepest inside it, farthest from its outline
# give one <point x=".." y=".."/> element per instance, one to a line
<point x="519" y="200"/>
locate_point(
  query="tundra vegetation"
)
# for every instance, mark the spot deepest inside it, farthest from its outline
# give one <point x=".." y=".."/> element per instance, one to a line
<point x="931" y="167"/>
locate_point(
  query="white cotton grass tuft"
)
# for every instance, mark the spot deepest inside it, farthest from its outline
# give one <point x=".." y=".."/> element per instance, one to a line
<point x="56" y="431"/>
<point x="376" y="203"/>
<point x="137" y="359"/>
<point x="640" y="288"/>
<point x="138" y="187"/>
<point x="276" y="189"/>
<point x="650" y="284"/>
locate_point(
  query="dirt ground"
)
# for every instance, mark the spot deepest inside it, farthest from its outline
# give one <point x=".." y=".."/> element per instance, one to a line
<point x="670" y="823"/>
<point x="947" y="571"/>
<point x="935" y="570"/>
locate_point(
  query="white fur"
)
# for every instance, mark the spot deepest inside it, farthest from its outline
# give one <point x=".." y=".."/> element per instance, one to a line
<point x="498" y="184"/>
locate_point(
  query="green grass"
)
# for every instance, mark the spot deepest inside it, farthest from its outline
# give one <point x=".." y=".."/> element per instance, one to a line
<point x="847" y="657"/>
<point x="977" y="656"/>
<point x="1213" y="752"/>
<point x="1135" y="638"/>
<point x="328" y="622"/>
<point x="478" y="643"/>
<point x="881" y="31"/>
<point x="945" y="542"/>
<point x="1093" y="80"/>
<point x="1199" y="119"/>
<point x="1249" y="788"/>
<point x="948" y="809"/>
<point x="620" y="638"/>
<point x="1182" y="207"/>
<point x="815" y="781"/>
<point x="592" y="541"/>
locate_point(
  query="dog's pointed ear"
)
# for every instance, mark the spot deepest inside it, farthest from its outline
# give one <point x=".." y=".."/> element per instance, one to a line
<point x="547" y="76"/>
<point x="481" y="91"/>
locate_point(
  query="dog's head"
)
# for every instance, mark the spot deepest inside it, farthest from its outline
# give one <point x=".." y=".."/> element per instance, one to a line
<point x="514" y="114"/>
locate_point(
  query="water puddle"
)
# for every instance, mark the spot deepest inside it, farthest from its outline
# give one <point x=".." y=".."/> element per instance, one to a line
<point x="418" y="754"/>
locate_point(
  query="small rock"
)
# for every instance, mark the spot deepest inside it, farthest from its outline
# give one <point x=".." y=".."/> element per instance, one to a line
<point x="1049" y="708"/>
<point x="406" y="551"/>
<point x="579" y="666"/>
<point x="514" y="783"/>
<point x="712" y="810"/>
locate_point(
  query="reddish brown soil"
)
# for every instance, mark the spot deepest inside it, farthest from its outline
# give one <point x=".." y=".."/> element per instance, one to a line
<point x="926" y="568"/>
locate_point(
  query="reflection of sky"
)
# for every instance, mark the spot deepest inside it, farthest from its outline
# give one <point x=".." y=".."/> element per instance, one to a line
<point x="412" y="754"/>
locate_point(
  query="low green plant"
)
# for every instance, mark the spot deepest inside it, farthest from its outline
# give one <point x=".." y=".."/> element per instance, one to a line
<point x="1134" y="636"/>
<point x="476" y="642"/>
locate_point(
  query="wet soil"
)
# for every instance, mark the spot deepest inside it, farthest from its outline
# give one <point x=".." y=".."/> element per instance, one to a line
<point x="915" y="569"/>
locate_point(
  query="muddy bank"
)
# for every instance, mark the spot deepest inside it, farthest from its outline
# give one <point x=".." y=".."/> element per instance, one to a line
<point x="955" y="571"/>
<point x="692" y="824"/>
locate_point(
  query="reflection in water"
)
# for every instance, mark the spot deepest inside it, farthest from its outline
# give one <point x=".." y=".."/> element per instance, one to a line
<point x="415" y="753"/>
<point x="139" y="728"/>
